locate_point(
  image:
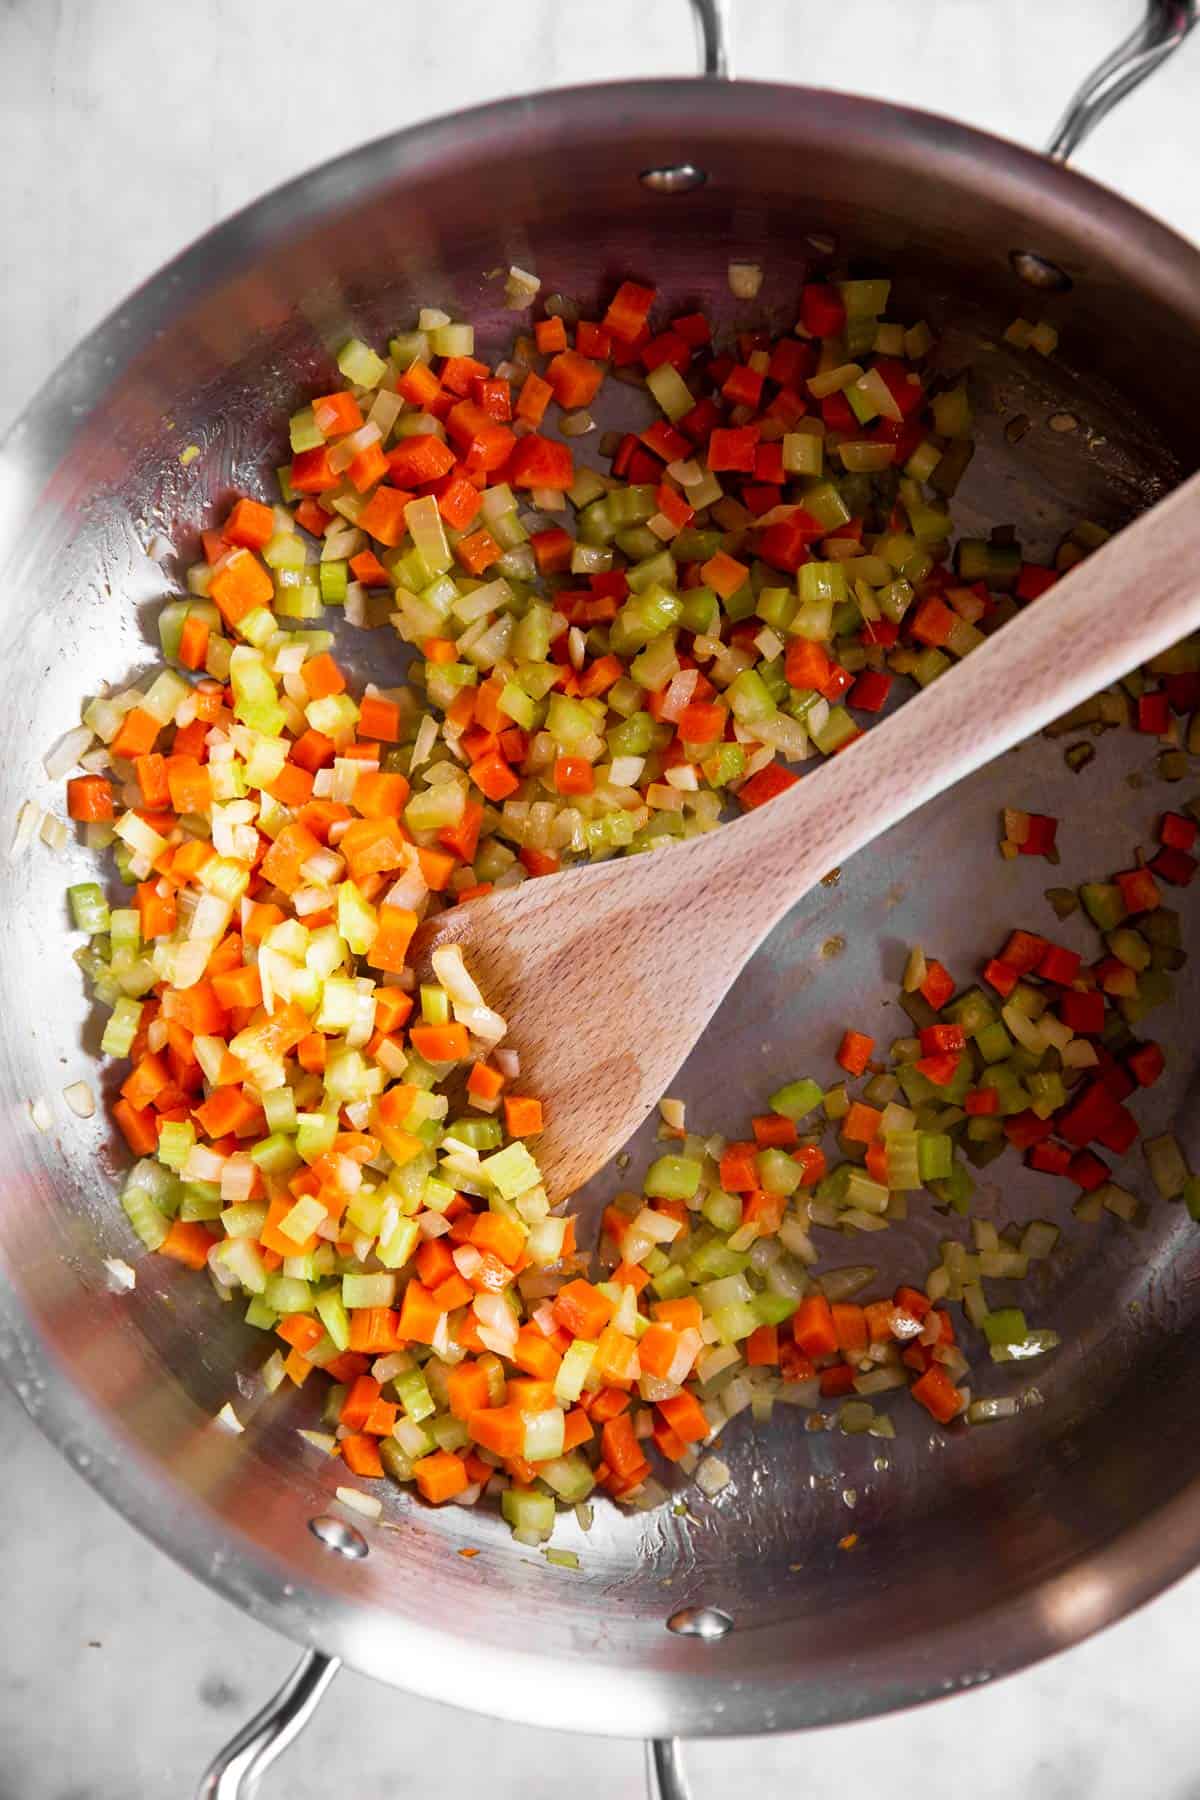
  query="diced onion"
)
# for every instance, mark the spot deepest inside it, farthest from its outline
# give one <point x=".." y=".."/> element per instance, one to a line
<point x="67" y="752"/>
<point x="745" y="280"/>
<point x="80" y="1099"/>
<point x="712" y="1476"/>
<point x="229" y="1418"/>
<point x="367" y="1504"/>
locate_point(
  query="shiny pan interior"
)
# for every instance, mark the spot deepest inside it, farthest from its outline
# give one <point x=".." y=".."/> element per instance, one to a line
<point x="978" y="1551"/>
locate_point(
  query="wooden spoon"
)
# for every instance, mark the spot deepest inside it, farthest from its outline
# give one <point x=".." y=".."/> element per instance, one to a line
<point x="608" y="974"/>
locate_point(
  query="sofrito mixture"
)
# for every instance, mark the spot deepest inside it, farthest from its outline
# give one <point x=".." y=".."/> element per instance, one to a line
<point x="601" y="664"/>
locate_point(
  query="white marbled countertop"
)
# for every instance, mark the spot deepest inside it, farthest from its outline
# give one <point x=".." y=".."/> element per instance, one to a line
<point x="124" y="133"/>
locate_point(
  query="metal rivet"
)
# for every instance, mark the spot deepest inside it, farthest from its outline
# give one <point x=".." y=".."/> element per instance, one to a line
<point x="707" y="1622"/>
<point x="335" y="1534"/>
<point x="679" y="178"/>
<point x="1037" y="271"/>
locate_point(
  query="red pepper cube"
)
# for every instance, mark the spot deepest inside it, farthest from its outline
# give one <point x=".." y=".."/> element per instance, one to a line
<point x="1024" y="1129"/>
<point x="903" y="384"/>
<point x="982" y="1103"/>
<point x="1120" y="1133"/>
<point x="1084" y="1013"/>
<point x="628" y="310"/>
<point x="854" y="1053"/>
<point x="700" y="421"/>
<point x="1183" y="691"/>
<point x="768" y="466"/>
<point x="1002" y="976"/>
<point x="838" y="682"/>
<point x="837" y="414"/>
<point x="743" y="386"/>
<point x="1146" y="1063"/>
<point x="1088" y="1171"/>
<point x="1039" y="838"/>
<point x="1175" y="866"/>
<point x="942" y="1040"/>
<point x="941" y="1070"/>
<point x="1023" y="951"/>
<point x="666" y="442"/>
<point x="1139" y="890"/>
<point x="1049" y="1158"/>
<point x="693" y="328"/>
<point x="1114" y="1075"/>
<point x="1116" y="978"/>
<point x="1088" y="1116"/>
<point x="870" y="691"/>
<point x="1176" y="831"/>
<point x="667" y="347"/>
<point x="732" y="448"/>
<point x="791" y="362"/>
<point x="1059" y="965"/>
<point x="938" y="986"/>
<point x="1033" y="580"/>
<point x="822" y="311"/>
<point x="1153" y="713"/>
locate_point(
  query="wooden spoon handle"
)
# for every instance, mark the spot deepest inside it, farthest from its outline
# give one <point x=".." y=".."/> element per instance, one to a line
<point x="1127" y="602"/>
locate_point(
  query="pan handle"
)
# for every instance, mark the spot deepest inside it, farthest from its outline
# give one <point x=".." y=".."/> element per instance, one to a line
<point x="1165" y="25"/>
<point x="665" y="1779"/>
<point x="712" y="26"/>
<point x="234" y="1772"/>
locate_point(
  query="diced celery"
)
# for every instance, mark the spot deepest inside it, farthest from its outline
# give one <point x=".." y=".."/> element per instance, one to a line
<point x="673" y="1178"/>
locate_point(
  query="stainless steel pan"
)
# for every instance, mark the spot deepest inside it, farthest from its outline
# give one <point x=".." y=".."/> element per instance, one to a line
<point x="978" y="1553"/>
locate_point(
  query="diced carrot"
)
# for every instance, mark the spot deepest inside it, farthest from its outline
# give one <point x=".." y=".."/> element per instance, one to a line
<point x="187" y="1243"/>
<point x="136" y="737"/>
<point x="439" y="1043"/>
<point x="250" y="524"/>
<point x="379" y="718"/>
<point x="137" y="1126"/>
<point x="501" y="1236"/>
<point x="813" y="1327"/>
<point x="854" y="1052"/>
<point x="358" y="1402"/>
<point x="850" y="1327"/>
<point x="937" y="1394"/>
<point x="680" y="1315"/>
<point x="193" y="642"/>
<point x="522" y="1115"/>
<point x="619" y="1444"/>
<point x="240" y="584"/>
<point x="300" y="1330"/>
<point x="724" y="574"/>
<point x="582" y="1309"/>
<point x="861" y="1123"/>
<point x="361" y="1455"/>
<point x="762" y="1347"/>
<point x="419" y="1316"/>
<point x="383" y="516"/>
<point x="477" y="552"/>
<point x="90" y="798"/>
<point x="686" y="1417"/>
<point x="484" y="1082"/>
<point x="440" y="1476"/>
<point x="337" y="413"/>
<point x="156" y="912"/>
<point x="322" y="677"/>
<point x="500" y="1429"/>
<point x="467" y="1389"/>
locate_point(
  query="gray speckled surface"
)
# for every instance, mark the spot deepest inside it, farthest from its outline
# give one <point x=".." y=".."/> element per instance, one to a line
<point x="124" y="133"/>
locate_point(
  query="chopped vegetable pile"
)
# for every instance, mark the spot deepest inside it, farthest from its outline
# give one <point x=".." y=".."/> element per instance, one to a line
<point x="349" y="1150"/>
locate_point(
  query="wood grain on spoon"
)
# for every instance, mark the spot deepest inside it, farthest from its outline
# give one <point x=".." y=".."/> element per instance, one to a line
<point x="608" y="974"/>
